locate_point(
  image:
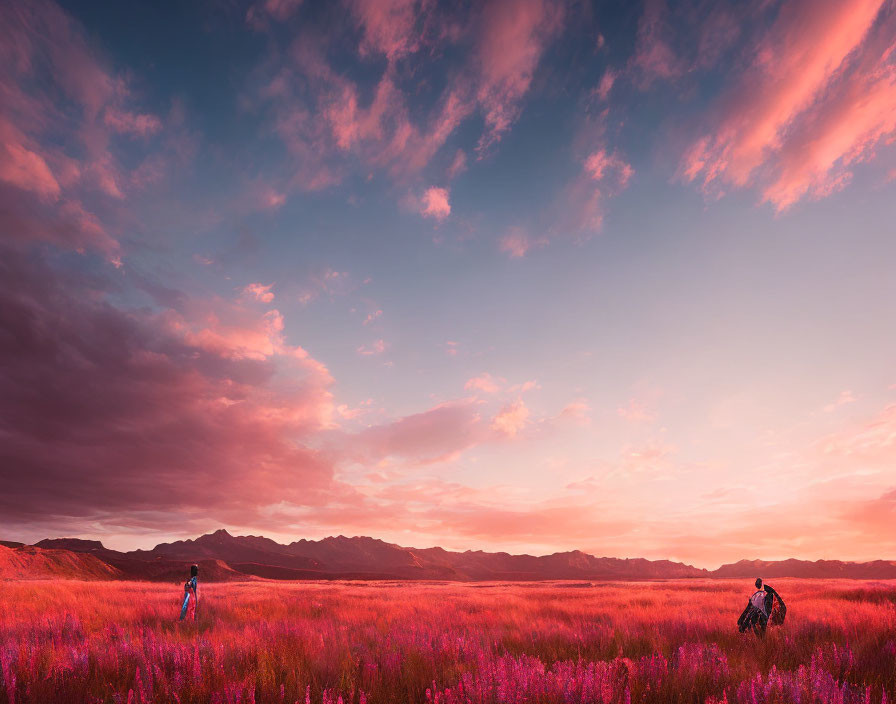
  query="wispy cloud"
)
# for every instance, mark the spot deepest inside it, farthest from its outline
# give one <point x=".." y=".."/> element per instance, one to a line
<point x="514" y="34"/>
<point x="511" y="419"/>
<point x="374" y="348"/>
<point x="818" y="96"/>
<point x="260" y="292"/>
<point x="485" y="382"/>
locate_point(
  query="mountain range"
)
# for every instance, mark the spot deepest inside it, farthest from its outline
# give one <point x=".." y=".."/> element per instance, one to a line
<point x="224" y="557"/>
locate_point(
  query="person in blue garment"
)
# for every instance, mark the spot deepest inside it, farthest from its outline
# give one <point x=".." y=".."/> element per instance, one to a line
<point x="191" y="595"/>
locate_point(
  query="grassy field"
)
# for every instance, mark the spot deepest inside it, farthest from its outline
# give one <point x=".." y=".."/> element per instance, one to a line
<point x="412" y="642"/>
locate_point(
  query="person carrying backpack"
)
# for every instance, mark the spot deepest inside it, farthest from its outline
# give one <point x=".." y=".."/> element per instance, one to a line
<point x="191" y="589"/>
<point x="764" y="606"/>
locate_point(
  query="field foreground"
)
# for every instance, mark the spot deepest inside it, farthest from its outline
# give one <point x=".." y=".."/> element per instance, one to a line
<point x="448" y="643"/>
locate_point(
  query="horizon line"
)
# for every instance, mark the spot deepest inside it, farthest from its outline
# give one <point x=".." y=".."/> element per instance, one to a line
<point x="529" y="554"/>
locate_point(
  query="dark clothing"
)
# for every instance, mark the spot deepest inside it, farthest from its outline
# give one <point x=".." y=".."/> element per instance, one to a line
<point x="759" y="613"/>
<point x="753" y="619"/>
<point x="776" y="608"/>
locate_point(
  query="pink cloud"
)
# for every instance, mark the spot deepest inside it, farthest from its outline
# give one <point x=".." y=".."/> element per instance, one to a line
<point x="413" y="148"/>
<point x="577" y="412"/>
<point x="435" y="203"/>
<point x="66" y="223"/>
<point x="654" y="57"/>
<point x="106" y="176"/>
<point x="349" y="413"/>
<point x="307" y="140"/>
<point x="860" y="116"/>
<point x="242" y="337"/>
<point x="262" y="12"/>
<point x="674" y="39"/>
<point x="875" y="517"/>
<point x="233" y="331"/>
<point x="328" y="120"/>
<point x="843" y="399"/>
<point x="817" y="97"/>
<point x="636" y="411"/>
<point x="485" y="382"/>
<point x="124" y="122"/>
<point x="421" y="492"/>
<point x="326" y="117"/>
<point x="328" y="282"/>
<point x="374" y="348"/>
<point x="372" y="316"/>
<point x="389" y="26"/>
<point x="147" y="422"/>
<point x="514" y="35"/>
<point x="26" y="170"/>
<point x="260" y="292"/>
<point x="652" y="458"/>
<point x="602" y="91"/>
<point x="869" y="443"/>
<point x="352" y="123"/>
<point x="517" y="242"/>
<point x="511" y="419"/>
<point x="604" y="174"/>
<point x="63" y="106"/>
<point x="265" y="197"/>
<point x="599" y="164"/>
<point x="525" y="386"/>
<point x="436" y="435"/>
<point x="458" y="164"/>
<point x="87" y="224"/>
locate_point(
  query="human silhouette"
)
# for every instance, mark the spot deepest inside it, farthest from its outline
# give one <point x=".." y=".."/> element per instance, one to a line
<point x="764" y="606"/>
<point x="191" y="595"/>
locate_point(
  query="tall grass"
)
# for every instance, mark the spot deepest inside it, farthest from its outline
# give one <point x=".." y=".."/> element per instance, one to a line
<point x="448" y="643"/>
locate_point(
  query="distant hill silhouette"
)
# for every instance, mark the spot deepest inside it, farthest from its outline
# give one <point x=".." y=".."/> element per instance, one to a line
<point x="224" y="557"/>
<point x="30" y="562"/>
<point x="368" y="557"/>
<point x="144" y="565"/>
<point x="828" y="569"/>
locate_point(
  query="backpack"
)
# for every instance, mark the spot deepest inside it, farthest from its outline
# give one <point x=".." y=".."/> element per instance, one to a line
<point x="779" y="610"/>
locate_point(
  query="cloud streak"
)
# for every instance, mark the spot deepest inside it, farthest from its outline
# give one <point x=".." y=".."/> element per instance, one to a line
<point x="817" y="98"/>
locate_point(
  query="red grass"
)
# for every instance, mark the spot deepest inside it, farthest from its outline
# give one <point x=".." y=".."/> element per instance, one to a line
<point x="412" y="642"/>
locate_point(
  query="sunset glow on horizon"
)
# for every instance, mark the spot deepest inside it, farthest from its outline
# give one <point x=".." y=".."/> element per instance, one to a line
<point x="520" y="276"/>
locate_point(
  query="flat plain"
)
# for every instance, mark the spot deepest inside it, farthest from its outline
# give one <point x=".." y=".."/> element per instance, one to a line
<point x="675" y="641"/>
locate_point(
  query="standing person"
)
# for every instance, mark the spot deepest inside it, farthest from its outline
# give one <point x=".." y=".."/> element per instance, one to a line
<point x="759" y="607"/>
<point x="191" y="594"/>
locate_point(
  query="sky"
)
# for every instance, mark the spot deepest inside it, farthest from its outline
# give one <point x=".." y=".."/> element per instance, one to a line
<point x="505" y="275"/>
